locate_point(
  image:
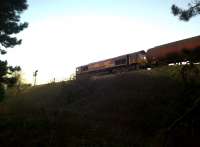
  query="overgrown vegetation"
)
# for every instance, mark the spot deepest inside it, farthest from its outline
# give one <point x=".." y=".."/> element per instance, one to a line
<point x="188" y="72"/>
<point x="129" y="109"/>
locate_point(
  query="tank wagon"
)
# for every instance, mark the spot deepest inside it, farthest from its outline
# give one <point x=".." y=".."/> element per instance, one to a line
<point x="171" y="52"/>
<point x="155" y="56"/>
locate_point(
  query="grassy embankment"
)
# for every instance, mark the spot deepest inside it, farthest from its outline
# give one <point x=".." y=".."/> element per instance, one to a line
<point x="140" y="108"/>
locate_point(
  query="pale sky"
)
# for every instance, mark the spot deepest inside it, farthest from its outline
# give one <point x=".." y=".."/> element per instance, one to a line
<point x="64" y="34"/>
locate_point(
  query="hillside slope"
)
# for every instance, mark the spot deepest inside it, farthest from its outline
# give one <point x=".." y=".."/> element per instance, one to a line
<point x="129" y="109"/>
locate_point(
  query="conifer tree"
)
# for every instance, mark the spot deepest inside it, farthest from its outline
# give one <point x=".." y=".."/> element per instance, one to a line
<point x="10" y="11"/>
<point x="186" y="14"/>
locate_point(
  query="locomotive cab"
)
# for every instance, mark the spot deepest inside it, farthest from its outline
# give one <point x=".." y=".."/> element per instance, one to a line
<point x="78" y="70"/>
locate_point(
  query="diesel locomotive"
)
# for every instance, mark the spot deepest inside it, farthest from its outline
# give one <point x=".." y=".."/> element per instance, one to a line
<point x="152" y="57"/>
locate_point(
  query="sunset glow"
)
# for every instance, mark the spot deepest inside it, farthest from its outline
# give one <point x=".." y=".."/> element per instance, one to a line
<point x="56" y="43"/>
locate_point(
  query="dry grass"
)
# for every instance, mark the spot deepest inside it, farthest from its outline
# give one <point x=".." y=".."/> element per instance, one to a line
<point x="130" y="109"/>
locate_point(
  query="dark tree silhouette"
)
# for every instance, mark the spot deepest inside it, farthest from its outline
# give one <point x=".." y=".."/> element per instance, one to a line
<point x="190" y="73"/>
<point x="10" y="11"/>
<point x="185" y="14"/>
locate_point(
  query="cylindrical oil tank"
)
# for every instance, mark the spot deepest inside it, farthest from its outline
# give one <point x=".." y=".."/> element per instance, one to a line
<point x="161" y="53"/>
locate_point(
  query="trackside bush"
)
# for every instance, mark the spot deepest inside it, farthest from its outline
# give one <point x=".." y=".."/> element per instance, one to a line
<point x="2" y="92"/>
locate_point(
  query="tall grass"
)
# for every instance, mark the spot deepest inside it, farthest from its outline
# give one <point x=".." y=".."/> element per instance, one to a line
<point x="128" y="109"/>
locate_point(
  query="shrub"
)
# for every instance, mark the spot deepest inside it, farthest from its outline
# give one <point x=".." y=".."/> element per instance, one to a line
<point x="190" y="75"/>
<point x="2" y="92"/>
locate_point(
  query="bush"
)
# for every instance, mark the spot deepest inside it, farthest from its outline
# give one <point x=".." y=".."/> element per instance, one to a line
<point x="2" y="92"/>
<point x="190" y="75"/>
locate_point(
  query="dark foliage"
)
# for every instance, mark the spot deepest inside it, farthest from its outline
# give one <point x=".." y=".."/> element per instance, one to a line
<point x="185" y="14"/>
<point x="10" y="11"/>
<point x="190" y="73"/>
<point x="191" y="55"/>
<point x="190" y="76"/>
<point x="133" y="109"/>
<point x="186" y="55"/>
<point x="174" y="58"/>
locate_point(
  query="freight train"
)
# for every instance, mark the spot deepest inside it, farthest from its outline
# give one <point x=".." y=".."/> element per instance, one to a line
<point x="159" y="55"/>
